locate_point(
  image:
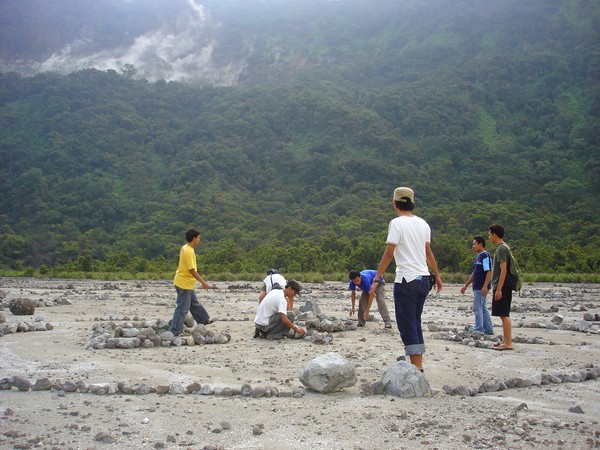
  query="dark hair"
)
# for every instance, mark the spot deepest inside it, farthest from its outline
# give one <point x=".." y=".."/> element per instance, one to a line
<point x="294" y="285"/>
<point x="191" y="234"/>
<point x="497" y="229"/>
<point x="480" y="240"/>
<point x="272" y="271"/>
<point x="353" y="274"/>
<point x="404" y="204"/>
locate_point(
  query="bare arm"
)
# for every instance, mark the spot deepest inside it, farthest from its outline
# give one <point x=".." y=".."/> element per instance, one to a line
<point x="488" y="278"/>
<point x="353" y="300"/>
<point x="197" y="276"/>
<point x="388" y="254"/>
<point x="466" y="285"/>
<point x="501" y="281"/>
<point x="286" y="321"/>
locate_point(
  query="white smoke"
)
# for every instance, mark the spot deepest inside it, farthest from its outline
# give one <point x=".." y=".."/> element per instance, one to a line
<point x="180" y="51"/>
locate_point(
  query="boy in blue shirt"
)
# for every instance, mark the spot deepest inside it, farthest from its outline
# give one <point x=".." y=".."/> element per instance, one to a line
<point x="364" y="280"/>
<point x="480" y="277"/>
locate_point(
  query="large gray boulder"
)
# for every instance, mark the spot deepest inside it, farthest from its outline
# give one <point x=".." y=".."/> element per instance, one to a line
<point x="403" y="379"/>
<point x="328" y="373"/>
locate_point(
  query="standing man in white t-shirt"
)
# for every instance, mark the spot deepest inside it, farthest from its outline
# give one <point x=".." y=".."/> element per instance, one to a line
<point x="274" y="317"/>
<point x="408" y="242"/>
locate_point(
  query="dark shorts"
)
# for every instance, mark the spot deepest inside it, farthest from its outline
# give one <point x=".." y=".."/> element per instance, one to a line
<point x="501" y="308"/>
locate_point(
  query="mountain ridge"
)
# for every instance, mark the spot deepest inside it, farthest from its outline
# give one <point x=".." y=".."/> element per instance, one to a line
<point x="292" y="166"/>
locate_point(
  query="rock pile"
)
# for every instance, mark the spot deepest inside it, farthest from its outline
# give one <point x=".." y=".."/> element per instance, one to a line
<point x="150" y="334"/>
<point x="35" y="324"/>
<point x="463" y="337"/>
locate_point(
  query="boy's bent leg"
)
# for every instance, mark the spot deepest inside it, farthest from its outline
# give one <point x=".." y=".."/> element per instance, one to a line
<point x="276" y="328"/>
<point x="362" y="307"/>
<point x="184" y="298"/>
<point x="198" y="311"/>
<point x="381" y="305"/>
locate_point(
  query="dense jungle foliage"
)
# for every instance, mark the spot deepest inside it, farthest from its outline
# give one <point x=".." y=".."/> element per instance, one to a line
<point x="490" y="111"/>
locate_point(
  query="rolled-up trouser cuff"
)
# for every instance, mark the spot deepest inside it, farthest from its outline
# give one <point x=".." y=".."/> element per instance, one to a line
<point x="414" y="349"/>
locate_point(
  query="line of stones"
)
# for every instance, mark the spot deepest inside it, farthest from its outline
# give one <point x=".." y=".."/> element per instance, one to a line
<point x="22" y="384"/>
<point x="24" y="326"/>
<point x="590" y="372"/>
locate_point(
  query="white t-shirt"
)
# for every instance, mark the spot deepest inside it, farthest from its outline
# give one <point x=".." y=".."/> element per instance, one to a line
<point x="409" y="234"/>
<point x="275" y="278"/>
<point x="273" y="303"/>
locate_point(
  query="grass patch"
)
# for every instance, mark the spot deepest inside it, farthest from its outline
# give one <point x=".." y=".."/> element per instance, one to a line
<point x="306" y="277"/>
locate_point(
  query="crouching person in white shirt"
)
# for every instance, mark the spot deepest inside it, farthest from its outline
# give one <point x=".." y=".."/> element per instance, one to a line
<point x="274" y="317"/>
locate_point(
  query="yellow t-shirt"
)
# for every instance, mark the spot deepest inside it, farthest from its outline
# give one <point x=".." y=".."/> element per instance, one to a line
<point x="187" y="260"/>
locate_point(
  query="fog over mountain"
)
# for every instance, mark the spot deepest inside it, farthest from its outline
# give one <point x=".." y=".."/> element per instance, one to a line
<point x="161" y="39"/>
<point x="230" y="42"/>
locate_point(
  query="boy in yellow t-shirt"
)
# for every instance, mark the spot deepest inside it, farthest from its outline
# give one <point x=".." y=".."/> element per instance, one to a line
<point x="185" y="283"/>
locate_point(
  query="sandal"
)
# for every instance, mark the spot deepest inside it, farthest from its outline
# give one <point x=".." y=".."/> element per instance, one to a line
<point x="388" y="325"/>
<point x="209" y="321"/>
<point x="502" y="347"/>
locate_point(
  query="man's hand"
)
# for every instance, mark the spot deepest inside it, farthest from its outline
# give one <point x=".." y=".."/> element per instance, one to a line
<point x="463" y="289"/>
<point x="205" y="285"/>
<point x="302" y="331"/>
<point x="438" y="284"/>
<point x="366" y="315"/>
<point x="351" y="311"/>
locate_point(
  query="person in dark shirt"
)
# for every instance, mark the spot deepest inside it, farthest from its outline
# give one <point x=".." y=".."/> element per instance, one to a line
<point x="480" y="277"/>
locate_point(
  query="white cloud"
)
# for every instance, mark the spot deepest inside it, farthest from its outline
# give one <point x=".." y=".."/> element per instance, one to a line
<point x="178" y="52"/>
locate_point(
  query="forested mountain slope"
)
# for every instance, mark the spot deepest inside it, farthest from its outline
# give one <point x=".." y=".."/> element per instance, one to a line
<point x="489" y="111"/>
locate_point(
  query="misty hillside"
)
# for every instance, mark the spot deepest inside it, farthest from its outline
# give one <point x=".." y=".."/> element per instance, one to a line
<point x="228" y="42"/>
<point x="281" y="127"/>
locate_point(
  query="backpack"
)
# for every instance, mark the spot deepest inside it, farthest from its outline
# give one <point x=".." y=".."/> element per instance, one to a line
<point x="514" y="280"/>
<point x="272" y="272"/>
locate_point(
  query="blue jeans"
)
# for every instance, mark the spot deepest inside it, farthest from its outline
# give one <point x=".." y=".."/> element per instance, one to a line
<point x="187" y="301"/>
<point x="483" y="321"/>
<point x="409" y="299"/>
